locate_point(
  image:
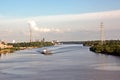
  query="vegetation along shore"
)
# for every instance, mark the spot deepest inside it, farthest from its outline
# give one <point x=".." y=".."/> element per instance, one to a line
<point x="110" y="47"/>
<point x="11" y="47"/>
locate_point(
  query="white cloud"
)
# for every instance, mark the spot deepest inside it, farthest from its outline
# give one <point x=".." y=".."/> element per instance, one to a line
<point x="61" y="24"/>
<point x="33" y="25"/>
<point x="86" y="21"/>
<point x="84" y="16"/>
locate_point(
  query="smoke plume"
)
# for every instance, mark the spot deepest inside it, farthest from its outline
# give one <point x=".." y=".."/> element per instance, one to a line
<point x="33" y="25"/>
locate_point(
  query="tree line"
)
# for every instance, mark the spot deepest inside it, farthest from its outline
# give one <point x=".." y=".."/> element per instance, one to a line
<point x="31" y="44"/>
<point x="110" y="47"/>
<point x="24" y="45"/>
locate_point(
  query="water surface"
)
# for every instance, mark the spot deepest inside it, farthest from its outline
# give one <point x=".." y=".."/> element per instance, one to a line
<point x="68" y="62"/>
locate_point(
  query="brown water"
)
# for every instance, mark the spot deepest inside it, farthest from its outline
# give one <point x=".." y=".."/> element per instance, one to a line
<point x="68" y="62"/>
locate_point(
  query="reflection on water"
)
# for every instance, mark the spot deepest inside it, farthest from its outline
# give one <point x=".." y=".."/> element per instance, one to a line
<point x="108" y="67"/>
<point x="3" y="54"/>
<point x="68" y="62"/>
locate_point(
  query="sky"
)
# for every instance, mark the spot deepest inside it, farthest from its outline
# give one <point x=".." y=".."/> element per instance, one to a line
<point x="64" y="20"/>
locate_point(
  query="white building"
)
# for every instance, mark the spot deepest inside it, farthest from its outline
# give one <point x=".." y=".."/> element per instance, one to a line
<point x="4" y="45"/>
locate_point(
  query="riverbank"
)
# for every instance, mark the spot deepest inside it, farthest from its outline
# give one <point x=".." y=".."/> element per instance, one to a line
<point x="24" y="45"/>
<point x="11" y="50"/>
<point x="106" y="49"/>
<point x="110" y="47"/>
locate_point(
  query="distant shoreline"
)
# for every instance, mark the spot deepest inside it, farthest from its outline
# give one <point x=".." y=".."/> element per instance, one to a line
<point x="23" y="46"/>
<point x="11" y="50"/>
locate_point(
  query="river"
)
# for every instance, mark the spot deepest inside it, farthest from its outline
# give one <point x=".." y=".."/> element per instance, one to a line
<point x="68" y="62"/>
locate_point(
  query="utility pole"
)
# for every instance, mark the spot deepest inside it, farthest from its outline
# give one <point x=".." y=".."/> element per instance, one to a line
<point x="102" y="33"/>
<point x="30" y="33"/>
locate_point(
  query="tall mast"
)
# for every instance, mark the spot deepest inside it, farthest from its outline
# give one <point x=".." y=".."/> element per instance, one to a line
<point x="102" y="33"/>
<point x="30" y="33"/>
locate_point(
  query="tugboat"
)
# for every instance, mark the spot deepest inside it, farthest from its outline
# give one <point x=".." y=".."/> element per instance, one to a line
<point x="46" y="52"/>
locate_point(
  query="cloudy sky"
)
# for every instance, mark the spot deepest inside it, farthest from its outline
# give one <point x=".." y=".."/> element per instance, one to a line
<point x="63" y="20"/>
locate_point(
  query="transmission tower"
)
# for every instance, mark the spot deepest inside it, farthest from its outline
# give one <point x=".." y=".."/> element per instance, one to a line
<point x="102" y="38"/>
<point x="30" y="33"/>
